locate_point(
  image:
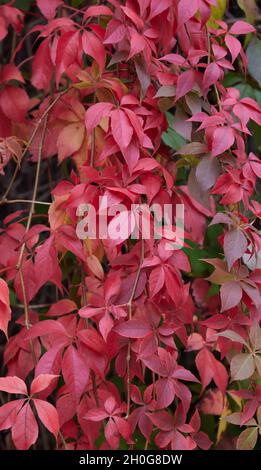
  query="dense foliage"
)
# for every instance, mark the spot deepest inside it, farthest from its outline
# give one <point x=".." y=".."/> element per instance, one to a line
<point x="140" y="345"/>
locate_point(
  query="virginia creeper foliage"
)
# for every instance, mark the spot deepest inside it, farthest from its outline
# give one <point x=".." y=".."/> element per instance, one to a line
<point x="139" y="341"/>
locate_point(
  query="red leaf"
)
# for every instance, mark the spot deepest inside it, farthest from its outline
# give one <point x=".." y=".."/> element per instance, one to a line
<point x="47" y="327"/>
<point x="97" y="10"/>
<point x="11" y="72"/>
<point x="176" y="59"/>
<point x="48" y="415"/>
<point x="162" y="420"/>
<point x="46" y="264"/>
<point x="124" y="429"/>
<point x="96" y="415"/>
<point x="48" y="7"/>
<point x="231" y="295"/>
<point x="93" y="46"/>
<point x="121" y="128"/>
<point x="136" y="19"/>
<point x="14" y="103"/>
<point x="41" y="382"/>
<point x="207" y="172"/>
<point x="70" y="140"/>
<point x="105" y="325"/>
<point x="50" y="362"/>
<point x="67" y="52"/>
<point x="223" y="139"/>
<point x="68" y="238"/>
<point x="156" y="280"/>
<point x="211" y="75"/>
<point x="241" y="27"/>
<point x="95" y="113"/>
<point x="234" y="46"/>
<point x="42" y="67"/>
<point x="185" y="83"/>
<point x="75" y="372"/>
<point x="255" y="164"/>
<point x="252" y="292"/>
<point x="13" y="385"/>
<point x="116" y="35"/>
<point x="210" y="368"/>
<point x="25" y="429"/>
<point x="165" y="392"/>
<point x="8" y="413"/>
<point x="5" y="311"/>
<point x="158" y="7"/>
<point x="137" y="43"/>
<point x="186" y="10"/>
<point x="62" y="307"/>
<point x="133" y="329"/>
<point x="235" y="245"/>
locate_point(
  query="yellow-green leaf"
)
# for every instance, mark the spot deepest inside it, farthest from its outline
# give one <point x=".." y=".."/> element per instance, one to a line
<point x="247" y="439"/>
<point x="217" y="13"/>
<point x="250" y="9"/>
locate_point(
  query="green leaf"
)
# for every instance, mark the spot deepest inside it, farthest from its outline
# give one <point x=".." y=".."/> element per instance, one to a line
<point x="171" y="138"/>
<point x="21" y="4"/>
<point x="76" y="3"/>
<point x="198" y="267"/>
<point x="254" y="65"/>
<point x="13" y="299"/>
<point x="217" y="13"/>
<point x="247" y="439"/>
<point x="250" y="9"/>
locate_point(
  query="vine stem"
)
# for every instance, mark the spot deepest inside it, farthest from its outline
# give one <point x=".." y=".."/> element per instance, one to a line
<point x="29" y="220"/>
<point x="25" y="201"/>
<point x="36" y="184"/>
<point x="63" y="440"/>
<point x="43" y="119"/>
<point x="30" y="141"/>
<point x="129" y="307"/>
